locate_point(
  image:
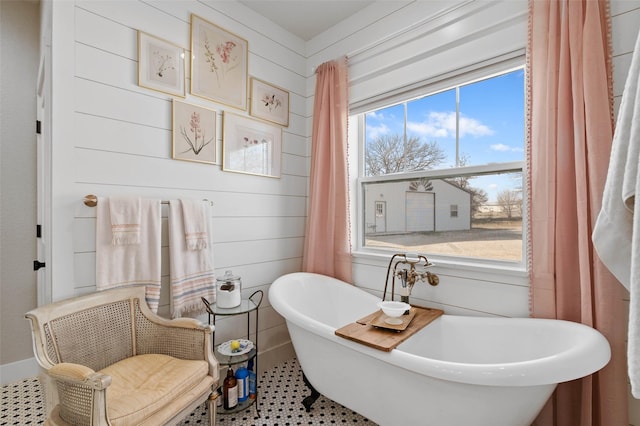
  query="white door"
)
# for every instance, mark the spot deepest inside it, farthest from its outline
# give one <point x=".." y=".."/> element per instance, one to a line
<point x="420" y="211"/>
<point x="43" y="165"/>
<point x="381" y="216"/>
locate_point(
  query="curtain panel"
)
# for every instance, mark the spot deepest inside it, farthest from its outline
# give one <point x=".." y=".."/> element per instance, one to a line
<point x="570" y="130"/>
<point x="327" y="248"/>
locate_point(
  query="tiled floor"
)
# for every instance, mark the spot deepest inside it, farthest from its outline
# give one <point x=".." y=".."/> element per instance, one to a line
<point x="22" y="403"/>
<point x="281" y="391"/>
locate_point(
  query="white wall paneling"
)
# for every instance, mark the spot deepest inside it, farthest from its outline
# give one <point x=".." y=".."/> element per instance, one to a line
<point x="114" y="138"/>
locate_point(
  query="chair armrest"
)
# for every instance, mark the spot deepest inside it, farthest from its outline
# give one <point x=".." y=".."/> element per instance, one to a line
<point x="79" y="374"/>
<point x="184" y="322"/>
<point x="188" y="323"/>
<point x="81" y="393"/>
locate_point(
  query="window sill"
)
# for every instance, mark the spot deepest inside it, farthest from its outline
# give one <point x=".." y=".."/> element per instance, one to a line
<point x="472" y="268"/>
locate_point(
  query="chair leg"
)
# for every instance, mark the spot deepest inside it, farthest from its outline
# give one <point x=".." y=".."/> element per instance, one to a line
<point x="212" y="407"/>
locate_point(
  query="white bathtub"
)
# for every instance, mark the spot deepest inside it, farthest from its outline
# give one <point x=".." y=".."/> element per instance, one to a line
<point x="456" y="371"/>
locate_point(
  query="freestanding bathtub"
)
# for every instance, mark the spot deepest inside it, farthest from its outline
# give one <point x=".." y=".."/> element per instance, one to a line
<point x="458" y="370"/>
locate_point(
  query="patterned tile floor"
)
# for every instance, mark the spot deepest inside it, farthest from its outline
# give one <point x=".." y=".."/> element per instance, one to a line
<point x="22" y="403"/>
<point x="281" y="391"/>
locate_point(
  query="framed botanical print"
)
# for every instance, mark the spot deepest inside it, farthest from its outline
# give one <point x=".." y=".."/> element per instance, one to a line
<point x="251" y="146"/>
<point x="160" y="65"/>
<point x="194" y="133"/>
<point x="269" y="102"/>
<point x="219" y="64"/>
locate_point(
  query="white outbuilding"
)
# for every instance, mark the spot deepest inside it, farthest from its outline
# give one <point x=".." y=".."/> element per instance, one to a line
<point x="416" y="206"/>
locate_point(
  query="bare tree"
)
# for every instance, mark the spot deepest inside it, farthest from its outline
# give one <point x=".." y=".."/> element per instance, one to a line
<point x="479" y="198"/>
<point x="392" y="154"/>
<point x="510" y="202"/>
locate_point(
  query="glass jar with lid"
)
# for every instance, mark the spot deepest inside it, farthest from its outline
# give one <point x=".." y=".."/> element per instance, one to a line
<point x="228" y="289"/>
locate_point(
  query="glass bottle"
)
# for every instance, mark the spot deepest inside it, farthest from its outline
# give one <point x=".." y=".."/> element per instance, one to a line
<point x="230" y="391"/>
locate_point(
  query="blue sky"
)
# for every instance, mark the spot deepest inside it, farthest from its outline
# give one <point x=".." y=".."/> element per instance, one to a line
<point x="491" y="124"/>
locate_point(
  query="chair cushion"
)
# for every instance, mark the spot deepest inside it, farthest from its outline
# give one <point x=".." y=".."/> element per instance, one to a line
<point x="143" y="384"/>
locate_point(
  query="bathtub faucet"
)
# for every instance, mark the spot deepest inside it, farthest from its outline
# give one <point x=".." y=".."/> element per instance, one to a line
<point x="413" y="269"/>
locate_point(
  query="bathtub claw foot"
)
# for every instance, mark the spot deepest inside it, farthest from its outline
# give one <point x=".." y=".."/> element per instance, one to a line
<point x="308" y="401"/>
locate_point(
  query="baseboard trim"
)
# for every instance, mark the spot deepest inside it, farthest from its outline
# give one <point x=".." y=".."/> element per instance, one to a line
<point x="19" y="370"/>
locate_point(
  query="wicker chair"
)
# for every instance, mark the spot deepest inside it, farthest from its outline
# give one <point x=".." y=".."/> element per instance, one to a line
<point x="109" y="360"/>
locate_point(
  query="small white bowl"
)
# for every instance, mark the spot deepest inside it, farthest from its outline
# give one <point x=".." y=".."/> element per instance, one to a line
<point x="394" y="309"/>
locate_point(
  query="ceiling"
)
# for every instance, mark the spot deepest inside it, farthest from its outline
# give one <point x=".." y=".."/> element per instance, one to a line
<point x="306" y="19"/>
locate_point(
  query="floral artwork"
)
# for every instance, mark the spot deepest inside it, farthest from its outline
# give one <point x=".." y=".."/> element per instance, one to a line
<point x="163" y="63"/>
<point x="256" y="152"/>
<point x="196" y="137"/>
<point x="269" y="102"/>
<point x="251" y="146"/>
<point x="160" y="65"/>
<point x="222" y="59"/>
<point x="194" y="133"/>
<point x="218" y="64"/>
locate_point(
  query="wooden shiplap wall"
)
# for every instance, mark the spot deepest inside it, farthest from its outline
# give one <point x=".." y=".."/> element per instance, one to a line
<point x="117" y="141"/>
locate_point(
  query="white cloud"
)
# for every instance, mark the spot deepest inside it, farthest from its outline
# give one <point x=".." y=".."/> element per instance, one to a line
<point x="443" y="125"/>
<point x="473" y="127"/>
<point x="430" y="130"/>
<point x="502" y="147"/>
<point x="375" y="115"/>
<point x="374" y="131"/>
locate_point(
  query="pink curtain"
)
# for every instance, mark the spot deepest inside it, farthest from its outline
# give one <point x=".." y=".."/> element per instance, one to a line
<point x="327" y="248"/>
<point x="570" y="131"/>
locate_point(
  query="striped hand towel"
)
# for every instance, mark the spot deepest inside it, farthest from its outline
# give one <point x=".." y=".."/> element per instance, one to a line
<point x="130" y="264"/>
<point x="124" y="213"/>
<point x="195" y="224"/>
<point x="191" y="271"/>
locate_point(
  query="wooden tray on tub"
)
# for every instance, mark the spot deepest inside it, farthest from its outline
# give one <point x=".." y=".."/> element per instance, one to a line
<point x="369" y="332"/>
<point x="377" y="319"/>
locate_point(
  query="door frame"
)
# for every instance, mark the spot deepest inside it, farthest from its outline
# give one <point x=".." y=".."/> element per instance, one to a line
<point x="43" y="177"/>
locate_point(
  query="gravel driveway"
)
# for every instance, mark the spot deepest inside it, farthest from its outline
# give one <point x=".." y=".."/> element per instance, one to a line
<point x="502" y="241"/>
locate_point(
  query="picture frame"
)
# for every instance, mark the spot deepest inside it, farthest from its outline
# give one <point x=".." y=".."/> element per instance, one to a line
<point x="269" y="102"/>
<point x="251" y="146"/>
<point x="219" y="64"/>
<point x="194" y="136"/>
<point x="161" y="65"/>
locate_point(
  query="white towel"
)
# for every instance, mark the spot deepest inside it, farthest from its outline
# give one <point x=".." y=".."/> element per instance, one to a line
<point x="616" y="235"/>
<point x="190" y="271"/>
<point x="123" y="265"/>
<point x="195" y="224"/>
<point x="125" y="220"/>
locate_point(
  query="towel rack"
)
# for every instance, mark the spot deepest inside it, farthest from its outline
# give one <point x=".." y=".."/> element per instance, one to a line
<point x="92" y="201"/>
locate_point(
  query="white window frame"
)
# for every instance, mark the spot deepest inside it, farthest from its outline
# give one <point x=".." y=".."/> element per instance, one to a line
<point x="359" y="251"/>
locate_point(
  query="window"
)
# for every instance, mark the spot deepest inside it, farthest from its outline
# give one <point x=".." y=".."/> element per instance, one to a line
<point x="448" y="166"/>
